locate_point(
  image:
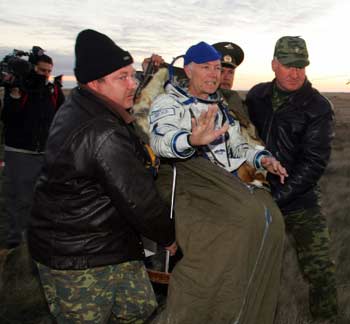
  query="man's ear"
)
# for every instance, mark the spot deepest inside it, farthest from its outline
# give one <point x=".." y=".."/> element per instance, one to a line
<point x="94" y="85"/>
<point x="274" y="65"/>
<point x="188" y="71"/>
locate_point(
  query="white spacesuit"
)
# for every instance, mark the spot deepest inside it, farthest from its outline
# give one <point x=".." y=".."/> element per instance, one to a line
<point x="170" y="127"/>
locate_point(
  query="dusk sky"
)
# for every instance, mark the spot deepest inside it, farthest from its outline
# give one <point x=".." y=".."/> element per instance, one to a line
<point x="169" y="27"/>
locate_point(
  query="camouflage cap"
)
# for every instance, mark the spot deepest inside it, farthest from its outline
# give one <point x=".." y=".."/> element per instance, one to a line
<point x="292" y="51"/>
<point x="232" y="54"/>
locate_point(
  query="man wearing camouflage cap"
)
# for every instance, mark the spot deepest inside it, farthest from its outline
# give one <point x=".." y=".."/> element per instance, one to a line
<point x="296" y="121"/>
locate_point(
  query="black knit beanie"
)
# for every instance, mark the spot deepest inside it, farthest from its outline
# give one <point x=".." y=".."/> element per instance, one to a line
<point x="96" y="56"/>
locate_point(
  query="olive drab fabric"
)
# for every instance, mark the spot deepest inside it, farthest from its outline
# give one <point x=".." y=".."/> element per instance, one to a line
<point x="236" y="106"/>
<point x="231" y="236"/>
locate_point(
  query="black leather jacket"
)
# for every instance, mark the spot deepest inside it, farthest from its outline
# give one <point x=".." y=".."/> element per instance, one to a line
<point x="94" y="197"/>
<point x="299" y="135"/>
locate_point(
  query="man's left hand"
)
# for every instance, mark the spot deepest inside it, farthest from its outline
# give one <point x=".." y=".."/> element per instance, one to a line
<point x="274" y="166"/>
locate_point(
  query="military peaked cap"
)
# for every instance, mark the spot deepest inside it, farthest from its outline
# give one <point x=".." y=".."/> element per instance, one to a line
<point x="232" y="54"/>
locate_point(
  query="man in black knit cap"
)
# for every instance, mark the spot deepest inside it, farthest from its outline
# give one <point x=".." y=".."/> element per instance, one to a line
<point x="95" y="197"/>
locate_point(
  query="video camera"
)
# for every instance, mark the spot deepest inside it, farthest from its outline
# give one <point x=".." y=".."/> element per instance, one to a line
<point x="14" y="69"/>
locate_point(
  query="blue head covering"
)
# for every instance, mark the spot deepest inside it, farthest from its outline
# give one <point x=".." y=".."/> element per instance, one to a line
<point x="201" y="53"/>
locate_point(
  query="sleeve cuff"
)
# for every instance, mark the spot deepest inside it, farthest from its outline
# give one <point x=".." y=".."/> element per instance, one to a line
<point x="180" y="145"/>
<point x="258" y="157"/>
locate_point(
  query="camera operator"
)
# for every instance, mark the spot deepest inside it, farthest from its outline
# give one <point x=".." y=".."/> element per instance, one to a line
<point x="28" y="110"/>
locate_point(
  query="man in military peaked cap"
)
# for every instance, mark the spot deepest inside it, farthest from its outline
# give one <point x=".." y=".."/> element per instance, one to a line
<point x="232" y="56"/>
<point x="296" y="122"/>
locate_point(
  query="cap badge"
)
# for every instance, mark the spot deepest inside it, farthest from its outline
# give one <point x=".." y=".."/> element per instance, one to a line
<point x="227" y="59"/>
<point x="229" y="46"/>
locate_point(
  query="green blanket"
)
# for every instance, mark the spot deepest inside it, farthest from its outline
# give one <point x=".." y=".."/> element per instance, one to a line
<point x="231" y="236"/>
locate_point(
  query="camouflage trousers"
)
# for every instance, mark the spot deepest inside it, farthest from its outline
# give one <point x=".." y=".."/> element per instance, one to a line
<point x="119" y="293"/>
<point x="310" y="231"/>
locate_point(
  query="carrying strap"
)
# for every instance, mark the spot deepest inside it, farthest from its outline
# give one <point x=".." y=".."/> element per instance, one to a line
<point x="152" y="162"/>
<point x="147" y="77"/>
<point x="171" y="69"/>
<point x="172" y="206"/>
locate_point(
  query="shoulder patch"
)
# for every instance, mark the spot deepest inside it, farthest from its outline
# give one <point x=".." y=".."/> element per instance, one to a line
<point x="159" y="114"/>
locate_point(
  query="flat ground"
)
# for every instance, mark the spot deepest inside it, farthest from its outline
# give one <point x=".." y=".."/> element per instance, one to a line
<point x="20" y="296"/>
